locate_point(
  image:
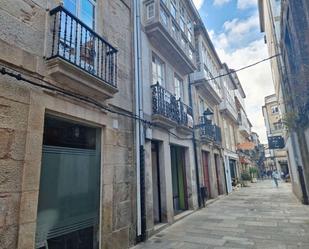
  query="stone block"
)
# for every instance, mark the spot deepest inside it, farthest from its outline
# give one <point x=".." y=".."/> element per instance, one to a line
<point x="26" y="236"/>
<point x="9" y="209"/>
<point x="31" y="175"/>
<point x="34" y="146"/>
<point x="118" y="155"/>
<point x="120" y="239"/>
<point x="8" y="237"/>
<point x="11" y="89"/>
<point x="123" y="174"/>
<point x="122" y="191"/>
<point x="108" y="174"/>
<point x="12" y="144"/>
<point x="10" y="175"/>
<point x="13" y="115"/>
<point x="122" y="216"/>
<point x="28" y="206"/>
<point x="107" y="218"/>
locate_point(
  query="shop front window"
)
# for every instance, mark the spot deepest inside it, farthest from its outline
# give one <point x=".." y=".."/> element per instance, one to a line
<point x="68" y="206"/>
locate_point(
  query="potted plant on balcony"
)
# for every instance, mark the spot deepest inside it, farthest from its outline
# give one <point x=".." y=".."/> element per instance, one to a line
<point x="253" y="173"/>
<point x="246" y="178"/>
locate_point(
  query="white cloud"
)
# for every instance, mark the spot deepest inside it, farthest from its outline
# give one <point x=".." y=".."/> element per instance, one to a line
<point x="198" y="3"/>
<point x="256" y="81"/>
<point x="220" y="2"/>
<point x="236" y="31"/>
<point x="244" y="4"/>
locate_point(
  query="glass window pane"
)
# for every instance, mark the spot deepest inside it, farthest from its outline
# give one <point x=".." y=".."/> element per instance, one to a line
<point x="87" y="13"/>
<point x="70" y="5"/>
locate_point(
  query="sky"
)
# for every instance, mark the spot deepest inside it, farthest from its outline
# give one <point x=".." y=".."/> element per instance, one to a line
<point x="233" y="26"/>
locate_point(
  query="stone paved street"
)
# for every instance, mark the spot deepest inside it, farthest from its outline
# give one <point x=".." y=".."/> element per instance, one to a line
<point x="258" y="217"/>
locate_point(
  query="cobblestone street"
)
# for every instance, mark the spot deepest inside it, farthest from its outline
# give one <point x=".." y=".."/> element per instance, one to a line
<point x="258" y="217"/>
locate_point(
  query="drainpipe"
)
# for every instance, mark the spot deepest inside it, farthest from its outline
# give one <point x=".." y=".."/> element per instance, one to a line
<point x="139" y="138"/>
<point x="197" y="175"/>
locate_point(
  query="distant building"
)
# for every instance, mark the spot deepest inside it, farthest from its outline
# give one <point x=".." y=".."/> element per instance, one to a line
<point x="275" y="128"/>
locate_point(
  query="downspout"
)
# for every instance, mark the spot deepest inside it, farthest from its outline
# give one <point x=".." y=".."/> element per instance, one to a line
<point x="197" y="175"/>
<point x="139" y="146"/>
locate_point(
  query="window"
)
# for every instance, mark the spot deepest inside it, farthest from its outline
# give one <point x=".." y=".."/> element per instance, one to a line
<point x="150" y="11"/>
<point x="164" y="17"/>
<point x="190" y="53"/>
<point x="182" y="17"/>
<point x="274" y="109"/>
<point x="83" y="9"/>
<point x="183" y="42"/>
<point x="69" y="194"/>
<point x="190" y="32"/>
<point x="201" y="106"/>
<point x="175" y="31"/>
<point x="178" y="83"/>
<point x="173" y="8"/>
<point x="157" y="71"/>
<point x="277" y="126"/>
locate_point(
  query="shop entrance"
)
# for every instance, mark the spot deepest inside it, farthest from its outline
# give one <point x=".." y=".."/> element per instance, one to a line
<point x="179" y="179"/>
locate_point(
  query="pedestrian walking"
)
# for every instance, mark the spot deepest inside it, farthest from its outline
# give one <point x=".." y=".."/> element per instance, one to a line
<point x="276" y="177"/>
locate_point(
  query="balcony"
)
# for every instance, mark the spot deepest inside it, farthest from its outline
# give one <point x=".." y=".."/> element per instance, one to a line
<point x="228" y="105"/>
<point x="169" y="112"/>
<point x="209" y="132"/>
<point x="243" y="124"/>
<point x="168" y="38"/>
<point x="209" y="88"/>
<point x="79" y="58"/>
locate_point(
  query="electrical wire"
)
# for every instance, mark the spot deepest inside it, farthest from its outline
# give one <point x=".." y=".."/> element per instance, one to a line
<point x="83" y="98"/>
<point x="239" y="69"/>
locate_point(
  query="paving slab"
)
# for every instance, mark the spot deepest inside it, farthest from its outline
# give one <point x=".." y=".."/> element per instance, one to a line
<point x="255" y="217"/>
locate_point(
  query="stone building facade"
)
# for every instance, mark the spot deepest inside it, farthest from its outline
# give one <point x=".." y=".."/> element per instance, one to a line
<point x="59" y="79"/>
<point x="229" y="126"/>
<point x="294" y="45"/>
<point x="167" y="52"/>
<point x="207" y="96"/>
<point x="280" y="23"/>
<point x="274" y="127"/>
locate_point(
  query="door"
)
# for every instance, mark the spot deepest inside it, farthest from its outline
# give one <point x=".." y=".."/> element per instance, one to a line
<point x="228" y="175"/>
<point x="218" y="174"/>
<point x="156" y="183"/>
<point x="178" y="179"/>
<point x="233" y="171"/>
<point x="206" y="172"/>
<point x="69" y="194"/>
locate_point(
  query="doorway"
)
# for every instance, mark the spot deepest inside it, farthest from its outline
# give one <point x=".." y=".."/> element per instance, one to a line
<point x="232" y="164"/>
<point x="156" y="184"/>
<point x="179" y="179"/>
<point x="218" y="174"/>
<point x="69" y="194"/>
<point x="205" y="156"/>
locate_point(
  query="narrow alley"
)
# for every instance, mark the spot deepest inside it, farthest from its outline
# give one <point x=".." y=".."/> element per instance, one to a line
<point x="257" y="217"/>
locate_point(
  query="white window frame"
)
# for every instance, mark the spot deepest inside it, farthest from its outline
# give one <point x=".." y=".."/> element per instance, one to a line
<point x="148" y="7"/>
<point x="178" y="87"/>
<point x="78" y="10"/>
<point x="157" y="63"/>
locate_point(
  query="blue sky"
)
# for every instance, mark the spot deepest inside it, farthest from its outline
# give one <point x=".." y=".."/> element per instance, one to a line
<point x="233" y="26"/>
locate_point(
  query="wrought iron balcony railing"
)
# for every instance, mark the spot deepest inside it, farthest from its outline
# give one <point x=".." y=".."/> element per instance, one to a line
<point x="209" y="131"/>
<point x="76" y="43"/>
<point x="165" y="104"/>
<point x="206" y="128"/>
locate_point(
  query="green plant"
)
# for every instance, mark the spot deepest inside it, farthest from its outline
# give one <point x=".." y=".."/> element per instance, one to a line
<point x="253" y="172"/>
<point x="245" y="176"/>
